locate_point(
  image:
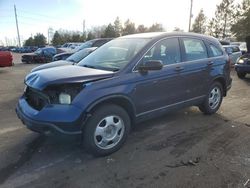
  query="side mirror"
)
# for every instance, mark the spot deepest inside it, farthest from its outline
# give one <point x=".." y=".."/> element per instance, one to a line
<point x="150" y="65"/>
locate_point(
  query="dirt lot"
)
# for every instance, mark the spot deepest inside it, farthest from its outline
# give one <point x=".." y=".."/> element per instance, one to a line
<point x="181" y="149"/>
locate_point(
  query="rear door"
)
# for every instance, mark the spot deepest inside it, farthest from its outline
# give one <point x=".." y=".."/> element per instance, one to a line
<point x="195" y="67"/>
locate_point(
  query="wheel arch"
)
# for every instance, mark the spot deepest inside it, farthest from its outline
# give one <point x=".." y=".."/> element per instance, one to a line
<point x="222" y="81"/>
<point x="120" y="100"/>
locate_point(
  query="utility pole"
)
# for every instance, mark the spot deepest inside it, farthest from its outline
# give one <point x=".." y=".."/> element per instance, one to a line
<point x="18" y="35"/>
<point x="83" y="26"/>
<point x="50" y="33"/>
<point x="190" y="16"/>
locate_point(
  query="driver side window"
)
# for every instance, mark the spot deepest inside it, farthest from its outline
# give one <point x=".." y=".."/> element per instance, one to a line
<point x="167" y="51"/>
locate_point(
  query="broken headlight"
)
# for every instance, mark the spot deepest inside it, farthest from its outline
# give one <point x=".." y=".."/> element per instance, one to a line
<point x="63" y="94"/>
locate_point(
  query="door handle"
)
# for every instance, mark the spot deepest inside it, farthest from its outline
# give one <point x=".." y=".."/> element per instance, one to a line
<point x="179" y="68"/>
<point x="210" y="63"/>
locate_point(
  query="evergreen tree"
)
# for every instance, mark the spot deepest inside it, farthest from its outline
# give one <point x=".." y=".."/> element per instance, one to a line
<point x="39" y="40"/>
<point x="156" y="28"/>
<point x="90" y="36"/>
<point x="241" y="27"/>
<point x="199" y="25"/>
<point x="129" y="28"/>
<point x="141" y="29"/>
<point x="110" y="31"/>
<point x="224" y="17"/>
<point x="57" y="39"/>
<point x="29" y="42"/>
<point x="117" y="27"/>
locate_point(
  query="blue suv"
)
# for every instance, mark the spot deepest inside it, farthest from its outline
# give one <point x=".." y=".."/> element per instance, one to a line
<point x="129" y="79"/>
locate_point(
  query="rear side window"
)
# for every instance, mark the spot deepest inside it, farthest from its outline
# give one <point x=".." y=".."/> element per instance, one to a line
<point x="194" y="49"/>
<point x="215" y="51"/>
<point x="167" y="51"/>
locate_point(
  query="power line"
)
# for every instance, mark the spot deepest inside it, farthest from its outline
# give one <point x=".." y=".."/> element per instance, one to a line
<point x="37" y="14"/>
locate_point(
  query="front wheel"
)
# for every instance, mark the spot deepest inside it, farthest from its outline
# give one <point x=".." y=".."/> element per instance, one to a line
<point x="106" y="130"/>
<point x="213" y="99"/>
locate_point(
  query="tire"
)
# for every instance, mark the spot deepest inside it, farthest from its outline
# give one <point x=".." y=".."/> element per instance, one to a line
<point x="241" y="75"/>
<point x="106" y="130"/>
<point x="213" y="99"/>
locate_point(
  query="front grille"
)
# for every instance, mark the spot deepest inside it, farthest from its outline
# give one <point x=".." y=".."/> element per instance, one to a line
<point x="36" y="99"/>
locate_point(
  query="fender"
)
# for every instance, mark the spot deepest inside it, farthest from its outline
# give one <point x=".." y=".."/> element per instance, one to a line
<point x="112" y="97"/>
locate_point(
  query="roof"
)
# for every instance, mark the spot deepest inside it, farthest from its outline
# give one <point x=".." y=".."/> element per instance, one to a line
<point x="168" y="34"/>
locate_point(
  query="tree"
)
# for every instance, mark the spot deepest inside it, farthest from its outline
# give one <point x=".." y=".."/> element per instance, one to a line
<point x="156" y="28"/>
<point x="76" y="37"/>
<point x="90" y="36"/>
<point x="39" y="40"/>
<point x="98" y="31"/>
<point x="199" y="25"/>
<point x="224" y="18"/>
<point x="110" y="31"/>
<point x="29" y="42"/>
<point x="117" y="27"/>
<point x="242" y="26"/>
<point x="57" y="39"/>
<point x="141" y="29"/>
<point x="129" y="28"/>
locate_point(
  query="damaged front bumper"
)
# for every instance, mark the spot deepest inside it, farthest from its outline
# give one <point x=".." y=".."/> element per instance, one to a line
<point x="64" y="119"/>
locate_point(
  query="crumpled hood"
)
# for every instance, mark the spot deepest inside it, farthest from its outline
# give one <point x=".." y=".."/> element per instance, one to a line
<point x="64" y="74"/>
<point x="52" y="64"/>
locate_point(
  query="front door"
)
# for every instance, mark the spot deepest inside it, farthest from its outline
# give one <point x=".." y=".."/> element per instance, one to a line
<point x="155" y="90"/>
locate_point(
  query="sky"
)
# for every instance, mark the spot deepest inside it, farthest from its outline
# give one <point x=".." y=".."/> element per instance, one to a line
<point x="36" y="16"/>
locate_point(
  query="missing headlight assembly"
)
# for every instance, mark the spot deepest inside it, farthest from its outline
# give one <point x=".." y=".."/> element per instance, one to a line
<point x="63" y="94"/>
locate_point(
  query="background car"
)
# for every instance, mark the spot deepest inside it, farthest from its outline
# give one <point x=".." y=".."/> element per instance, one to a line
<point x="242" y="67"/>
<point x="41" y="55"/>
<point x="71" y="60"/>
<point x="233" y="52"/>
<point x="243" y="47"/>
<point x="5" y="59"/>
<point x="91" y="43"/>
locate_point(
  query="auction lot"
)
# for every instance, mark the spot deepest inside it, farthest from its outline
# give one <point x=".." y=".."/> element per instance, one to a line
<point x="181" y="149"/>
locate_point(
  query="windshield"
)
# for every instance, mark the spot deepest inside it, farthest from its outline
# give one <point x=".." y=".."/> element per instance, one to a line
<point x="114" y="55"/>
<point x="38" y="51"/>
<point x="78" y="56"/>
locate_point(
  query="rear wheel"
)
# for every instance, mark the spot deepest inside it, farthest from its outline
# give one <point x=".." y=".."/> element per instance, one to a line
<point x="106" y="130"/>
<point x="213" y="99"/>
<point x="241" y="74"/>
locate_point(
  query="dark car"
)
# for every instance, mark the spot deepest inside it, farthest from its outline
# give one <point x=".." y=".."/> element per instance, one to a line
<point x="91" y="43"/>
<point x="71" y="60"/>
<point x="128" y="79"/>
<point x="242" y="65"/>
<point x="41" y="55"/>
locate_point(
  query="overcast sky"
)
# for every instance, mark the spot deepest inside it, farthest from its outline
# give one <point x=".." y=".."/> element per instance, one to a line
<point x="38" y="15"/>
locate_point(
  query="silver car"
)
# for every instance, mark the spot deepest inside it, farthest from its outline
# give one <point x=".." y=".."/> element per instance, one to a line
<point x="233" y="52"/>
